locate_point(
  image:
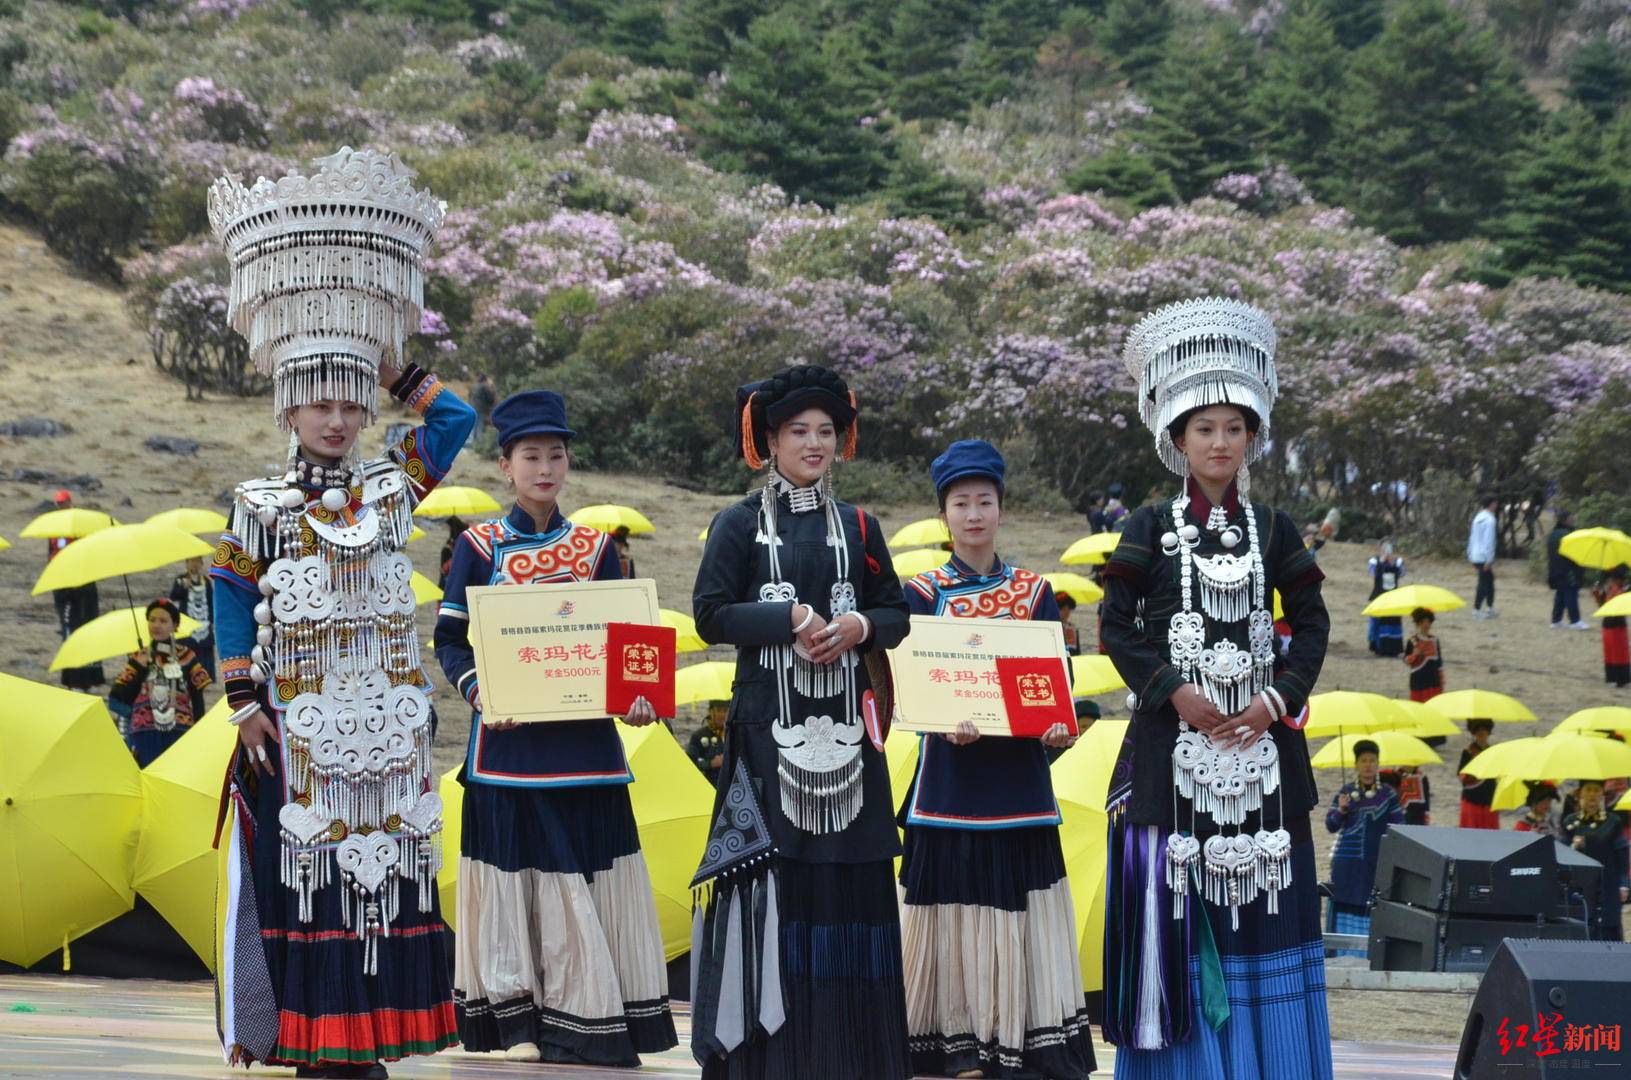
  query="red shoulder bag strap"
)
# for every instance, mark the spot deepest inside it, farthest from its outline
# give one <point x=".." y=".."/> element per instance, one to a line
<point x="872" y="566"/>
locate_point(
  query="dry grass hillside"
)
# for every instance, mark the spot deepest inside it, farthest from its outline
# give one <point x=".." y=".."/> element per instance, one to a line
<point x="68" y="352"/>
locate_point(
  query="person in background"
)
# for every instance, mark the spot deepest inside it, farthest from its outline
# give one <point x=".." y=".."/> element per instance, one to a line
<point x="1424" y="657"/>
<point x="707" y="745"/>
<point x="1115" y="511"/>
<point x="1476" y="794"/>
<point x="1073" y="634"/>
<point x="1096" y="522"/>
<point x="620" y="538"/>
<point x="162" y="686"/>
<point x="1386" y="636"/>
<point x="1616" y="647"/>
<point x="1481" y="553"/>
<point x="1563" y="577"/>
<point x="75" y="606"/>
<point x="482" y="398"/>
<point x="193" y="597"/>
<point x="455" y="528"/>
<point x="1360" y="813"/>
<point x="1598" y="832"/>
<point x="1538" y="817"/>
<point x="1415" y="794"/>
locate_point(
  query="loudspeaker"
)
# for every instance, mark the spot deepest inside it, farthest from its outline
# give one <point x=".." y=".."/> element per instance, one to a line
<point x="1549" y="988"/>
<point x="1406" y="938"/>
<point x="1483" y="872"/>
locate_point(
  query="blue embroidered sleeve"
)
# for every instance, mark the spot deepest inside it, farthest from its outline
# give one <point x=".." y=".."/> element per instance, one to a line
<point x="452" y="636"/>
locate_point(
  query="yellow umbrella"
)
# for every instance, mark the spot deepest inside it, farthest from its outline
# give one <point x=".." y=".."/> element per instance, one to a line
<point x="1078" y="588"/>
<point x="673" y="807"/>
<point x="70" y="803"/>
<point x="703" y="535"/>
<point x="1091" y="550"/>
<point x="925" y="532"/>
<point x="176" y="863"/>
<point x="1601" y="718"/>
<point x="120" y="550"/>
<point x="1394" y="750"/>
<point x="1571" y="756"/>
<point x="4" y="543"/>
<point x="900" y="752"/>
<point x="416" y="534"/>
<point x="190" y="520"/>
<point x="1600" y="549"/>
<point x="113" y="633"/>
<point x="65" y="524"/>
<point x="609" y="517"/>
<point x="1618" y="606"/>
<point x="1092" y="675"/>
<point x="686" y="638"/>
<point x="425" y="591"/>
<point x="909" y="564"/>
<point x="1418" y="720"/>
<point x="451" y="501"/>
<point x="1510" y="794"/>
<point x="447" y="878"/>
<point x="1081" y="778"/>
<point x="1404" y="600"/>
<point x="1339" y="712"/>
<point x="1481" y="705"/>
<point x="708" y="681"/>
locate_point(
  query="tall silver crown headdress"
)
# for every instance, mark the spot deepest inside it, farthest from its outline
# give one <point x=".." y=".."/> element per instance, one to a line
<point x="327" y="272"/>
<point x="1197" y="353"/>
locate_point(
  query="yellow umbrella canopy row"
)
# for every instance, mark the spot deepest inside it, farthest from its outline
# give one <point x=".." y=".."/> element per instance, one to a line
<point x="1077" y="587"/>
<point x="1617" y="607"/>
<point x="1561" y="755"/>
<point x="1600" y="549"/>
<point x="452" y="501"/>
<point x="1081" y="781"/>
<point x="1394" y="750"/>
<point x="926" y="532"/>
<point x="609" y="517"/>
<point x="1091" y="550"/>
<point x="113" y="633"/>
<point x="190" y="520"/>
<point x="119" y="550"/>
<point x="1403" y="601"/>
<point x="1481" y="705"/>
<point x="70" y="524"/>
<point x="686" y="638"/>
<point x="70" y="805"/>
<point x="909" y="564"/>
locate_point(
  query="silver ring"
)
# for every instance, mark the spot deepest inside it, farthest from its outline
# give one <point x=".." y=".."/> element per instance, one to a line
<point x="260" y="752"/>
<point x="1243" y="730"/>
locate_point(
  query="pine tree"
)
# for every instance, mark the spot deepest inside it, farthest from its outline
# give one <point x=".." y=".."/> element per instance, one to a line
<point x="1122" y="174"/>
<point x="1432" y="121"/>
<point x="924" y="57"/>
<point x="1356" y="22"/>
<point x="638" y="29"/>
<point x="703" y="31"/>
<point x="1005" y="48"/>
<point x="1300" y="93"/>
<point x="1568" y="214"/>
<point x="786" y="112"/>
<point x="1599" y="79"/>
<point x="917" y="188"/>
<point x="1202" y="125"/>
<point x="1070" y="63"/>
<point x="1135" y="34"/>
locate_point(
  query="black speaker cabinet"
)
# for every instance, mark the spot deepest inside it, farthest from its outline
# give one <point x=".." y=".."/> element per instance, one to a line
<point x="1406" y="938"/>
<point x="1557" y="1009"/>
<point x="1483" y="872"/>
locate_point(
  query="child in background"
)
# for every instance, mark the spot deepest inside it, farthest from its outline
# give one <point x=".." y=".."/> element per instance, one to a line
<point x="1424" y="658"/>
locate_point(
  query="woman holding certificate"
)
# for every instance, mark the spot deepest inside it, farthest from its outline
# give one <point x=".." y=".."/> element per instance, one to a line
<point x="993" y="981"/>
<point x="796" y="945"/>
<point x="1213" y="965"/>
<point x="559" y="957"/>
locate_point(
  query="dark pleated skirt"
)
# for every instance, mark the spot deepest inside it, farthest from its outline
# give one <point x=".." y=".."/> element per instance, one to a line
<point x="330" y="1012"/>
<point x="148" y="743"/>
<point x="573" y="830"/>
<point x="1007" y="870"/>
<point x="841" y="977"/>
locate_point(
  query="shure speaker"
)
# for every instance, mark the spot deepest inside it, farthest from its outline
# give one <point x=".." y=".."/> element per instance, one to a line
<point x="1550" y="1009"/>
<point x="1406" y="938"/>
<point x="1483" y="872"/>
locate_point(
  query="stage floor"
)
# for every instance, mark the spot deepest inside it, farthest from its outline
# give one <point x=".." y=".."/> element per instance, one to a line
<point x="65" y="1027"/>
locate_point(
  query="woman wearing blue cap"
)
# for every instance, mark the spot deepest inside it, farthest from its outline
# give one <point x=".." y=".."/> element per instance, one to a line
<point x="559" y="957"/>
<point x="796" y="952"/>
<point x="993" y="981"/>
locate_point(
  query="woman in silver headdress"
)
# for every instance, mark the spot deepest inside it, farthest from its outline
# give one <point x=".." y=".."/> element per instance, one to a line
<point x="332" y="950"/>
<point x="1214" y="966"/>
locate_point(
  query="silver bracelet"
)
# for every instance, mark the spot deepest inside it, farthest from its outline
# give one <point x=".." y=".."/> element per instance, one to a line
<point x="866" y="626"/>
<point x="809" y="617"/>
<point x="244" y="713"/>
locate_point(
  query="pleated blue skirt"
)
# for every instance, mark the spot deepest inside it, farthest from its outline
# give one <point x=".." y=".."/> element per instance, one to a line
<point x="1274" y="975"/>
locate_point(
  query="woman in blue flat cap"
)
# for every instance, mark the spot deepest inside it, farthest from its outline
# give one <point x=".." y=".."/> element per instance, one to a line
<point x="993" y="980"/>
<point x="796" y="952"/>
<point x="559" y="957"/>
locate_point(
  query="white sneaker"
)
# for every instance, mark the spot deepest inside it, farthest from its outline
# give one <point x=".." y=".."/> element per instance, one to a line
<point x="1491" y="613"/>
<point x="523" y="1052"/>
<point x="1560" y="624"/>
<point x="1581" y="625"/>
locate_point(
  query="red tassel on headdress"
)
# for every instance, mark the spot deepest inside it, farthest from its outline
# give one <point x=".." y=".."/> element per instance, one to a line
<point x="850" y="435"/>
<point x="750" y="452"/>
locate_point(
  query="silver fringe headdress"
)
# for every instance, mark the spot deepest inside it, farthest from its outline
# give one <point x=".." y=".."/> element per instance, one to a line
<point x="1197" y="353"/>
<point x="327" y="272"/>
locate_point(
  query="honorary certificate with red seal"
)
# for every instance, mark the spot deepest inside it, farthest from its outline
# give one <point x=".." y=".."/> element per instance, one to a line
<point x="1036" y="695"/>
<point x="541" y="650"/>
<point x="640" y="664"/>
<point x="946" y="670"/>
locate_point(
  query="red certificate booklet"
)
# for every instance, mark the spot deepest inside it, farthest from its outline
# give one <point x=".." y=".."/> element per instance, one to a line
<point x="1035" y="694"/>
<point x="639" y="663"/>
